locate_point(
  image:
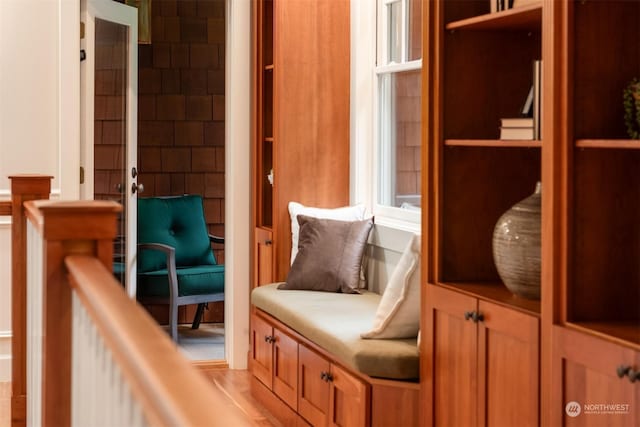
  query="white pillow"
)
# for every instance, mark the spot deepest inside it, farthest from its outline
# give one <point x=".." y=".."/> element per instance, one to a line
<point x="347" y="213"/>
<point x="398" y="315"/>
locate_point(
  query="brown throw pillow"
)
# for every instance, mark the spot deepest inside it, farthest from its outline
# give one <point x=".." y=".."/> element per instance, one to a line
<point x="329" y="255"/>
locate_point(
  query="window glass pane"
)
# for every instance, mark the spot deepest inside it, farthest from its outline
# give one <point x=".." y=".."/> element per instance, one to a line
<point x="395" y="32"/>
<point x="414" y="8"/>
<point x="400" y="125"/>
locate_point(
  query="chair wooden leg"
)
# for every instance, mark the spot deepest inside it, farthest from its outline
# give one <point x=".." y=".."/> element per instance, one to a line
<point x="173" y="321"/>
<point x="198" y="317"/>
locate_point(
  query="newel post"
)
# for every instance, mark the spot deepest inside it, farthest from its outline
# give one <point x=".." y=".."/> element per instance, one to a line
<point x="23" y="188"/>
<point x="66" y="228"/>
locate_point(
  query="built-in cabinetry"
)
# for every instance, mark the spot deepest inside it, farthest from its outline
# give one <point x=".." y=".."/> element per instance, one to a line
<point x="581" y="342"/>
<point x="594" y="208"/>
<point x="301" y="120"/>
<point x="328" y="395"/>
<point x="274" y="360"/>
<point x="481" y="343"/>
<point x="314" y="387"/>
<point x="482" y="352"/>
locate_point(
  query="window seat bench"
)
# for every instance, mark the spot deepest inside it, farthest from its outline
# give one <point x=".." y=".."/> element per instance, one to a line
<point x="334" y="322"/>
<point x="309" y="364"/>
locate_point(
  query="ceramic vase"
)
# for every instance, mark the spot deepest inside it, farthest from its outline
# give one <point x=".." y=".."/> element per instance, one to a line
<point x="516" y="246"/>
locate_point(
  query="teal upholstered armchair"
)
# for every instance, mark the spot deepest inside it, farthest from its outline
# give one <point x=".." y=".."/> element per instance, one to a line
<point x="176" y="265"/>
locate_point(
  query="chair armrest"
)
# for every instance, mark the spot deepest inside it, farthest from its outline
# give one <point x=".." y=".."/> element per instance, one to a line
<point x="216" y="239"/>
<point x="170" y="253"/>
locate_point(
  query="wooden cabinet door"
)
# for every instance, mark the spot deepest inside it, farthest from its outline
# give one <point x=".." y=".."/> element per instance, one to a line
<point x="450" y="360"/>
<point x="313" y="389"/>
<point x="285" y="368"/>
<point x="348" y="400"/>
<point x="508" y="374"/>
<point x="587" y="390"/>
<point x="261" y="350"/>
<point x="263" y="256"/>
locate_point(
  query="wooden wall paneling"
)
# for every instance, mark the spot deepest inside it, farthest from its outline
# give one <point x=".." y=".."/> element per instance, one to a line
<point x="311" y="112"/>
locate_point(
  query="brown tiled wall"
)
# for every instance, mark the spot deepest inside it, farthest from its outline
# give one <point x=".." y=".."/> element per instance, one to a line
<point x="408" y="127"/>
<point x="181" y="112"/>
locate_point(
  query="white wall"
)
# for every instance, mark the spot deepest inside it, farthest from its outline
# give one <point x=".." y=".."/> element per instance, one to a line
<point x="40" y="133"/>
<point x="39" y="113"/>
<point x="238" y="187"/>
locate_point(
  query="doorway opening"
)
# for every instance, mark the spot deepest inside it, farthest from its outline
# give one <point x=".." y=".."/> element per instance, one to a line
<point x="180" y="133"/>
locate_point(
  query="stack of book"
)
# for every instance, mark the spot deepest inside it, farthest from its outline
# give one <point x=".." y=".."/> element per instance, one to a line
<point x="528" y="125"/>
<point x="517" y="128"/>
<point x="499" y="5"/>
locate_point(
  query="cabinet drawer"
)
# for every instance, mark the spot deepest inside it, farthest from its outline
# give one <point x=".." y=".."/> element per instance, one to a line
<point x="261" y="350"/>
<point x="313" y="390"/>
<point x="285" y="368"/>
<point x="588" y="371"/>
<point x="348" y="400"/>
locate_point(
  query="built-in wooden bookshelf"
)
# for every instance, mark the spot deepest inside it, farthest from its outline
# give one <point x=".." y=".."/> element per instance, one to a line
<point x="604" y="279"/>
<point x="477" y="70"/>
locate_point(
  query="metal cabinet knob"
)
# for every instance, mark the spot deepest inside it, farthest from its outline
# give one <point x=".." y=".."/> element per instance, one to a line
<point x="473" y="315"/>
<point x="477" y="317"/>
<point x="622" y="370"/>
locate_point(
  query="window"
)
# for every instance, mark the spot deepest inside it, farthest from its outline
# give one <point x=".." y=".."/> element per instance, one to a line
<point x="397" y="164"/>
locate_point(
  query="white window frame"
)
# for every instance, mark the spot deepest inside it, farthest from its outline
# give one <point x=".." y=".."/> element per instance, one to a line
<point x="384" y="173"/>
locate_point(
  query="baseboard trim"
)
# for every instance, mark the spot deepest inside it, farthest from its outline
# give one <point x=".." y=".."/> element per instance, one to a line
<point x="210" y="364"/>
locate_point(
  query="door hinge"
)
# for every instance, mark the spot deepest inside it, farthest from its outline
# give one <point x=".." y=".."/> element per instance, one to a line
<point x="81" y="175"/>
<point x="81" y="30"/>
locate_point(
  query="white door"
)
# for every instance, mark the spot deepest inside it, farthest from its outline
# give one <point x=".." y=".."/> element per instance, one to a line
<point x="109" y="108"/>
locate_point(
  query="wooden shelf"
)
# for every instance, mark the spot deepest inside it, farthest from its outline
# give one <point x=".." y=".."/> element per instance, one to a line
<point x="497" y="293"/>
<point x="609" y="143"/>
<point x="520" y="18"/>
<point x="626" y="333"/>
<point x="268" y="139"/>
<point x="492" y="143"/>
<point x="268" y="67"/>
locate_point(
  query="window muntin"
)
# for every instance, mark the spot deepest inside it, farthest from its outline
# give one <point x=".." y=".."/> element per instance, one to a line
<point x="398" y="91"/>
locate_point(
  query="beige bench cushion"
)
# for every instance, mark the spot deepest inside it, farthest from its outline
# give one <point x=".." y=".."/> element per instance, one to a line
<point x="334" y="321"/>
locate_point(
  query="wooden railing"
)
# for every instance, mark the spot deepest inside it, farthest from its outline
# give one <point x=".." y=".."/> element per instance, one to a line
<point x="94" y="356"/>
<point x="23" y="189"/>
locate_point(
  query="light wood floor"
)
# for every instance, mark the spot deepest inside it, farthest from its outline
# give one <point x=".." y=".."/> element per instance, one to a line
<point x="233" y="383"/>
